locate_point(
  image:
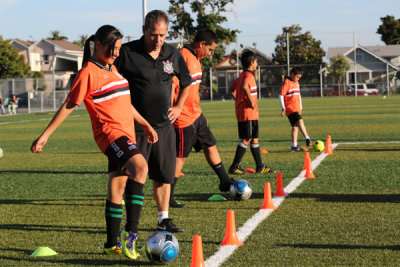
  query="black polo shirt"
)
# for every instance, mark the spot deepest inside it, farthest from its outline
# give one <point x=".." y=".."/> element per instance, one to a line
<point x="150" y="80"/>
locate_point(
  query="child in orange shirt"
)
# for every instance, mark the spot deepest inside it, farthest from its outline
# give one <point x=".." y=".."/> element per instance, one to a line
<point x="290" y="99"/>
<point x="107" y="99"/>
<point x="244" y="90"/>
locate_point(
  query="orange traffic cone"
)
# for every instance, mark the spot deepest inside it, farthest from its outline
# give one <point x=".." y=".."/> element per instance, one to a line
<point x="328" y="146"/>
<point x="197" y="252"/>
<point x="264" y="151"/>
<point x="279" y="192"/>
<point x="267" y="198"/>
<point x="231" y="238"/>
<point x="306" y="157"/>
<point x="309" y="171"/>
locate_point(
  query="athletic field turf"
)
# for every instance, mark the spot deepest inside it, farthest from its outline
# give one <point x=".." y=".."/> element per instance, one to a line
<point x="348" y="215"/>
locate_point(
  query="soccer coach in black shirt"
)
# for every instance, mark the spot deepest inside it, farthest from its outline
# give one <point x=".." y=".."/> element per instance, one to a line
<point x="149" y="65"/>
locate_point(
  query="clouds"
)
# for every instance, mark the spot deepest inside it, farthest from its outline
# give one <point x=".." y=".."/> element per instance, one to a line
<point x="6" y="3"/>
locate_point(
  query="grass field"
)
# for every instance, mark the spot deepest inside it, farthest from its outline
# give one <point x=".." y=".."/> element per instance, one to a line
<point x="348" y="215"/>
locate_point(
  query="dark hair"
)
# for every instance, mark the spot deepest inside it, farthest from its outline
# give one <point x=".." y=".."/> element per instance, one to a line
<point x="155" y="16"/>
<point x="206" y="35"/>
<point x="247" y="57"/>
<point x="107" y="35"/>
<point x="296" y="70"/>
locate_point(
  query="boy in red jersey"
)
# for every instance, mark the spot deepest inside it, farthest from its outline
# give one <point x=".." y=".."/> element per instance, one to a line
<point x="107" y="99"/>
<point x="244" y="91"/>
<point x="191" y="127"/>
<point x="290" y="99"/>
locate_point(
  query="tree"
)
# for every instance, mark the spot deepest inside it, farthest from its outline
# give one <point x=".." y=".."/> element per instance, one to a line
<point x="82" y="40"/>
<point x="389" y="30"/>
<point x="303" y="48"/>
<point x="338" y="67"/>
<point x="56" y="35"/>
<point x="12" y="65"/>
<point x="184" y="26"/>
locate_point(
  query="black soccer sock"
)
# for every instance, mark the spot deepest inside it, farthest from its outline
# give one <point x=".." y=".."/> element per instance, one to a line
<point x="255" y="151"/>
<point x="113" y="222"/>
<point x="172" y="196"/>
<point x="133" y="204"/>
<point x="219" y="169"/>
<point x="240" y="150"/>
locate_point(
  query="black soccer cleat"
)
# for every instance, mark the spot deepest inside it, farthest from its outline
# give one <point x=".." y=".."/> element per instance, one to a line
<point x="308" y="142"/>
<point x="169" y="226"/>
<point x="225" y="187"/>
<point x="175" y="204"/>
<point x="235" y="170"/>
<point x="265" y="169"/>
<point x="296" y="149"/>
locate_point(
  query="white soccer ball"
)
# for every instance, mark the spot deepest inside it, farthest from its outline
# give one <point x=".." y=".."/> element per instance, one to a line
<point x="241" y="190"/>
<point x="1" y="152"/>
<point x="162" y="247"/>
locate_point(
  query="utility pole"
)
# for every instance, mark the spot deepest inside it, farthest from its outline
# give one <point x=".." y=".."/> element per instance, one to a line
<point x="144" y="10"/>
<point x="287" y="53"/>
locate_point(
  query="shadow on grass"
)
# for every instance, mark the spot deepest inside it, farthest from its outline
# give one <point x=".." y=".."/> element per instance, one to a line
<point x="339" y="246"/>
<point x="55" y="228"/>
<point x="50" y="202"/>
<point x="83" y="262"/>
<point x="350" y="198"/>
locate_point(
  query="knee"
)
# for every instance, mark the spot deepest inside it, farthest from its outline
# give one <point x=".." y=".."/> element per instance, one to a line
<point x="141" y="171"/>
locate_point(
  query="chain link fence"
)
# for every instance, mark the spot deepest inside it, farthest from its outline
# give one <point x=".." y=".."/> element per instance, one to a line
<point x="38" y="95"/>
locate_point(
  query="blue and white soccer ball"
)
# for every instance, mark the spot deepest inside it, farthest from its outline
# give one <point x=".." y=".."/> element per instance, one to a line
<point x="162" y="247"/>
<point x="241" y="190"/>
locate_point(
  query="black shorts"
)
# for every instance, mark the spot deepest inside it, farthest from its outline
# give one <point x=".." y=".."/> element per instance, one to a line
<point x="119" y="152"/>
<point x="196" y="135"/>
<point x="161" y="156"/>
<point x="248" y="129"/>
<point x="294" y="118"/>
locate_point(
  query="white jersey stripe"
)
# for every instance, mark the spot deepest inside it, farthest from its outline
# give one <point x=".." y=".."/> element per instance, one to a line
<point x="126" y="92"/>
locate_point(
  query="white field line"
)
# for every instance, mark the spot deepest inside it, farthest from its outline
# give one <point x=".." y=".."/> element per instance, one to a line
<point x="224" y="252"/>
<point x="44" y="119"/>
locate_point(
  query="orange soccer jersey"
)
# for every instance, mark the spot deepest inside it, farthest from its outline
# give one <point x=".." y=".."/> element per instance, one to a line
<point x="191" y="109"/>
<point x="291" y="92"/>
<point x="107" y="99"/>
<point x="244" y="112"/>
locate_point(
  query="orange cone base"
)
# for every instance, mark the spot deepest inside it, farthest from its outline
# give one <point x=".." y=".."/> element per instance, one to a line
<point x="263" y="151"/>
<point x="250" y="170"/>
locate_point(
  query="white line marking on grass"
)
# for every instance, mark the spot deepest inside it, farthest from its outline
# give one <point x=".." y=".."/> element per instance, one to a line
<point x="224" y="252"/>
<point x="44" y="119"/>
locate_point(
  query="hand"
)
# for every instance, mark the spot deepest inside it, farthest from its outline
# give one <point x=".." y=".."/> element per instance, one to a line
<point x="173" y="113"/>
<point x="283" y="113"/>
<point x="38" y="144"/>
<point x="152" y="136"/>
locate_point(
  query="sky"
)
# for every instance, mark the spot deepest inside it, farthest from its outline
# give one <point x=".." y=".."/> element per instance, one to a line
<point x="333" y="22"/>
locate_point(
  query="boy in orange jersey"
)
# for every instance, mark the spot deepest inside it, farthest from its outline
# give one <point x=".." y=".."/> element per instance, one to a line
<point x="290" y="99"/>
<point x="244" y="91"/>
<point x="191" y="127"/>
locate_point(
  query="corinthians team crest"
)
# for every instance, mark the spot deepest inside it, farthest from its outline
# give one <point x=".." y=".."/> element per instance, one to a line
<point x="168" y="67"/>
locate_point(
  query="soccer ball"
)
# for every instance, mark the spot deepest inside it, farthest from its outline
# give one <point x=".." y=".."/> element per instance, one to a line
<point x="1" y="152"/>
<point x="162" y="247"/>
<point x="318" y="146"/>
<point x="241" y="190"/>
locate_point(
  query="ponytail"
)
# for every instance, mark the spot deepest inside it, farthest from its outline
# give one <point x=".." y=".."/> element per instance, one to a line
<point x="88" y="50"/>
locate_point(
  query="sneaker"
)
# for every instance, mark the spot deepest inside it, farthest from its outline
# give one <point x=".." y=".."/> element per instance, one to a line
<point x="128" y="240"/>
<point x="308" y="142"/>
<point x="225" y="187"/>
<point x="235" y="170"/>
<point x="175" y="204"/>
<point x="296" y="149"/>
<point x="115" y="250"/>
<point x="265" y="169"/>
<point x="168" y="225"/>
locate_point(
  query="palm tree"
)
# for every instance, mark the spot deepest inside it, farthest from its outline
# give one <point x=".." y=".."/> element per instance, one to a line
<point x="56" y="35"/>
<point x="82" y="40"/>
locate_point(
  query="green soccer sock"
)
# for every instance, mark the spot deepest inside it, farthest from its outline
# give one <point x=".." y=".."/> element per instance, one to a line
<point x="133" y="204"/>
<point x="113" y="216"/>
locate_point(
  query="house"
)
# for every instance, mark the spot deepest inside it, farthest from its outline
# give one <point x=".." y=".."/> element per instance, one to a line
<point x="228" y="69"/>
<point x="57" y="59"/>
<point x="370" y="64"/>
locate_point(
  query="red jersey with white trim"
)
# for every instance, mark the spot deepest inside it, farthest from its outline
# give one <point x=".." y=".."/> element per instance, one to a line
<point x="107" y="99"/>
<point x="244" y="112"/>
<point x="291" y="95"/>
<point x="191" y="109"/>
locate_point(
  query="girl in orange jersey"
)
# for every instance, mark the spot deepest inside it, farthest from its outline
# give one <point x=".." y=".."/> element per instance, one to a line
<point x="107" y="99"/>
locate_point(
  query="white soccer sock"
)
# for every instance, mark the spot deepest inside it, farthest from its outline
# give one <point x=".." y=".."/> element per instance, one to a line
<point x="307" y="137"/>
<point x="294" y="144"/>
<point x="162" y="215"/>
